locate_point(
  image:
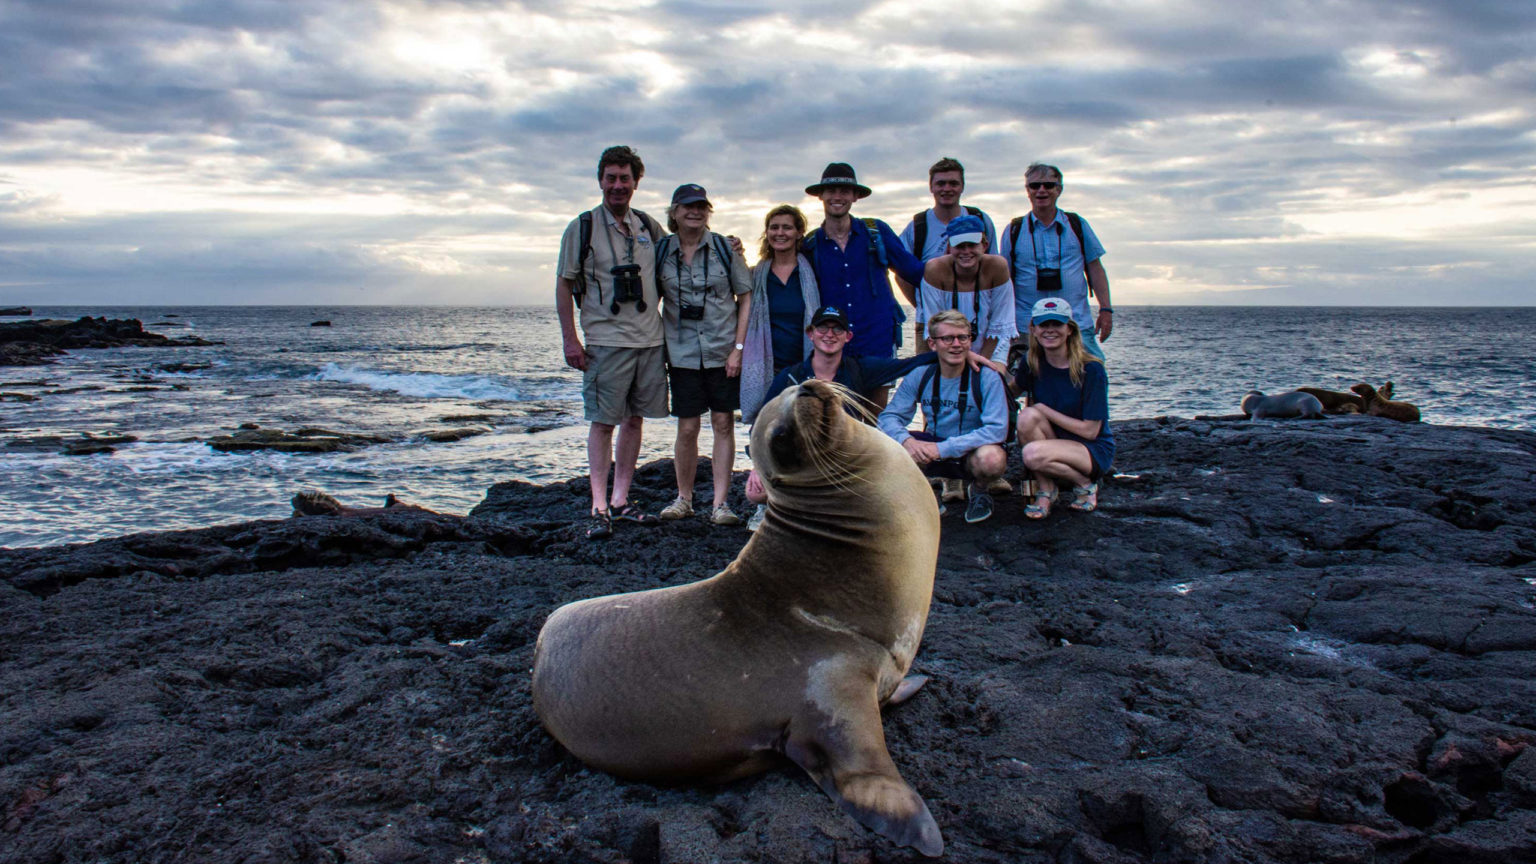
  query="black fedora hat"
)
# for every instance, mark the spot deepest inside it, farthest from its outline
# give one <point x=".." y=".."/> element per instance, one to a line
<point x="838" y="174"/>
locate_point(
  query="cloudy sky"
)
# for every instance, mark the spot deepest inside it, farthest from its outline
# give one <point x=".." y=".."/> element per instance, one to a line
<point x="339" y="151"/>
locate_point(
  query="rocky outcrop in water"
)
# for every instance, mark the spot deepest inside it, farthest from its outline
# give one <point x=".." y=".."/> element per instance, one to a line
<point x="1294" y="641"/>
<point x="251" y="437"/>
<point x="34" y="343"/>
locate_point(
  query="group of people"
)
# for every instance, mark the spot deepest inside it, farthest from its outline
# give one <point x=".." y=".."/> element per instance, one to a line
<point x="677" y="309"/>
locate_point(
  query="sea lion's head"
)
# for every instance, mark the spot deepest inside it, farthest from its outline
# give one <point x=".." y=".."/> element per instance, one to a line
<point x="806" y="436"/>
<point x="1366" y="392"/>
<point x="1250" y="400"/>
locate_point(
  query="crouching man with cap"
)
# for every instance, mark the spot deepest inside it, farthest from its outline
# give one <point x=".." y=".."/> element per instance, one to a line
<point x="965" y="415"/>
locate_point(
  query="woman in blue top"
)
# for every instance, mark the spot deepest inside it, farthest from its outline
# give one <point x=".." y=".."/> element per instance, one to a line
<point x="783" y="297"/>
<point x="1065" y="431"/>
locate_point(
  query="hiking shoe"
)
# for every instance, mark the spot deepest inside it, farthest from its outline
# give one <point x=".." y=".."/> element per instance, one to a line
<point x="681" y="508"/>
<point x="999" y="486"/>
<point x="631" y="513"/>
<point x="724" y="515"/>
<point x="599" y="525"/>
<point x="757" y="517"/>
<point x="954" y="490"/>
<point x="980" y="507"/>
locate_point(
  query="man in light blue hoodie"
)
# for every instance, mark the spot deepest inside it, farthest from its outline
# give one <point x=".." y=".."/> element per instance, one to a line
<point x="965" y="415"/>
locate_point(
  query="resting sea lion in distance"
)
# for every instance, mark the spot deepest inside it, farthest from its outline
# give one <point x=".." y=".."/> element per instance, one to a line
<point x="1378" y="405"/>
<point x="792" y="649"/>
<point x="1281" y="405"/>
<point x="1335" y="402"/>
<point x="320" y="504"/>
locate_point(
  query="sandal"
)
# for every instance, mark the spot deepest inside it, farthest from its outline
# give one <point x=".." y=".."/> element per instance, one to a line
<point x="631" y="513"/>
<point x="1033" y="510"/>
<point x="1085" y="498"/>
<point x="599" y="524"/>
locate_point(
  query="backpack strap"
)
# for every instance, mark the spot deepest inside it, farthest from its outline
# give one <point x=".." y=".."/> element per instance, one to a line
<point x="723" y="249"/>
<point x="584" y="244"/>
<point x="1076" y="222"/>
<point x="1015" y="228"/>
<point x="652" y="227"/>
<point x="919" y="233"/>
<point x="877" y="243"/>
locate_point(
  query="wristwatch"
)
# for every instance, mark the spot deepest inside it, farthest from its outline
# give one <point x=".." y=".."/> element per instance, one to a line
<point x="740" y="347"/>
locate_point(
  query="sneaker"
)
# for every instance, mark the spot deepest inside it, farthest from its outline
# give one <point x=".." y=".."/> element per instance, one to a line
<point x="942" y="509"/>
<point x="757" y="517"/>
<point x="980" y="508"/>
<point x="954" y="490"/>
<point x="1000" y="486"/>
<point x="599" y="525"/>
<point x="681" y="508"/>
<point x="724" y="515"/>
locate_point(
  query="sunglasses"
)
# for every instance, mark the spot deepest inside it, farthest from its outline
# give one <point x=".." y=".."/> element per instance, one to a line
<point x="951" y="340"/>
<point x="834" y="329"/>
<point x="1048" y="184"/>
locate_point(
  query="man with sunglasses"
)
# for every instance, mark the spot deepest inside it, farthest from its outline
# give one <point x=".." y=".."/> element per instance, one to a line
<point x="965" y="415"/>
<point x="1054" y="253"/>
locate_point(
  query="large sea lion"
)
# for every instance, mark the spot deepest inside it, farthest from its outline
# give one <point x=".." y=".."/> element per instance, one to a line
<point x="792" y="649"/>
<point x="1281" y="405"/>
<point x="1335" y="402"/>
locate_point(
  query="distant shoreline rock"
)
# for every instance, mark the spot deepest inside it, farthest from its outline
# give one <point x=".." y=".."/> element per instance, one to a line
<point x="36" y="343"/>
<point x="250" y="437"/>
<point x="15" y="310"/>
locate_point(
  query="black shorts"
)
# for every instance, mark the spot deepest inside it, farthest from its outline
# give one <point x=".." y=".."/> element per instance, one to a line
<point x="948" y="469"/>
<point x="695" y="391"/>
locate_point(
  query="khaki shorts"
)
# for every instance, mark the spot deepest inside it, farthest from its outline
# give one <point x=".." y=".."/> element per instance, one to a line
<point x="623" y="382"/>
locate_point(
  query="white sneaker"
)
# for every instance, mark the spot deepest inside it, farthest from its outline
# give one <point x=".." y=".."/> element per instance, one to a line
<point x="724" y="515"/>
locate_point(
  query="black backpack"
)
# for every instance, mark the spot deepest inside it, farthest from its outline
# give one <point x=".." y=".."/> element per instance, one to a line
<point x="920" y="228"/>
<point x="931" y="374"/>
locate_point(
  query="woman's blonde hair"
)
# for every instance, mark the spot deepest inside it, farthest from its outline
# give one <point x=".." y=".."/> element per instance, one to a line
<point x="763" y="252"/>
<point x="1077" y="355"/>
<point x="672" y="216"/>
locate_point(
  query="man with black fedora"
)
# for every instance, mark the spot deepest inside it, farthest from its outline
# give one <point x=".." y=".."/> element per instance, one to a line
<point x="852" y="258"/>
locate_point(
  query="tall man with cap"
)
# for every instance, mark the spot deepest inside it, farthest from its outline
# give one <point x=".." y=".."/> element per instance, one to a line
<point x="852" y="258"/>
<point x="1055" y="253"/>
<point x="607" y="269"/>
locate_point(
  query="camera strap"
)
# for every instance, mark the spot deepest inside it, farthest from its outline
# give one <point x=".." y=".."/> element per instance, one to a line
<point x="975" y="296"/>
<point x="629" y="258"/>
<point x="1036" y="250"/>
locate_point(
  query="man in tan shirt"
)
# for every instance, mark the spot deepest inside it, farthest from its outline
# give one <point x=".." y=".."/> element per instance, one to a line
<point x="612" y="280"/>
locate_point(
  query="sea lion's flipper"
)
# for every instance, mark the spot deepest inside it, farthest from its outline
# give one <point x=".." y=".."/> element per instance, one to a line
<point x="846" y="756"/>
<point x="905" y="690"/>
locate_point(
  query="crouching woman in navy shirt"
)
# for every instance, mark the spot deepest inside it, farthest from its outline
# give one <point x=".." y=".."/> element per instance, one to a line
<point x="1064" y="433"/>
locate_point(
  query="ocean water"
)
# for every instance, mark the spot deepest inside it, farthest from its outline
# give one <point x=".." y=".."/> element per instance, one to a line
<point x="402" y="371"/>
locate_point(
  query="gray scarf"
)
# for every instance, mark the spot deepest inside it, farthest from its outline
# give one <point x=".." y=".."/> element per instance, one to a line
<point x="757" y="357"/>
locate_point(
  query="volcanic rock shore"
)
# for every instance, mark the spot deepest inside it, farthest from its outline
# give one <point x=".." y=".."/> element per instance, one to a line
<point x="36" y="343"/>
<point x="1296" y="641"/>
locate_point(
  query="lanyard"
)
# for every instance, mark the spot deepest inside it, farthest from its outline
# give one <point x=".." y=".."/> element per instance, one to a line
<point x="1057" y="226"/>
<point x="678" y="262"/>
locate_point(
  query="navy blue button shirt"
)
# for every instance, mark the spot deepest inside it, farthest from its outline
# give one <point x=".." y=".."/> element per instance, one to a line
<point x="851" y="280"/>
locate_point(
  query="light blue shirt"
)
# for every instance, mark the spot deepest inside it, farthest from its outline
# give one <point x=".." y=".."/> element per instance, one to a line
<point x="962" y="428"/>
<point x="1053" y="246"/>
<point x="935" y="243"/>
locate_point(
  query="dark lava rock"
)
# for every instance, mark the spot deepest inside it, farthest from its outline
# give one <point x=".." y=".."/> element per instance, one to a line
<point x="17" y="397"/>
<point x="443" y="436"/>
<point x="250" y="437"/>
<point x="84" y="444"/>
<point x="1280" y="642"/>
<point x="33" y="343"/>
<point x="15" y="310"/>
<point x="319" y="323"/>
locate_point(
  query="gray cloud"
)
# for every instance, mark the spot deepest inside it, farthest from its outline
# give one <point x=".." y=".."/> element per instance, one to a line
<point x="1183" y="131"/>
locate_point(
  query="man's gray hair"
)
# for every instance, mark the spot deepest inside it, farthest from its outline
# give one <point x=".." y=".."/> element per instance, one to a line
<point x="1040" y="168"/>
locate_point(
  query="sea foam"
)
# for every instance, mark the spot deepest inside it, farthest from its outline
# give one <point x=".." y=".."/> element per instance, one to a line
<point x="421" y="384"/>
